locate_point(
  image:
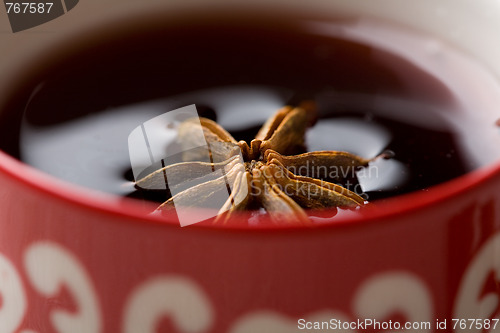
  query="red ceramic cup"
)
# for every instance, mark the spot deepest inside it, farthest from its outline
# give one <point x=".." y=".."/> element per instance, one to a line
<point x="74" y="260"/>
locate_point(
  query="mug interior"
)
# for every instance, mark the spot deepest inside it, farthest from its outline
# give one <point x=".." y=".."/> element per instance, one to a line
<point x="481" y="49"/>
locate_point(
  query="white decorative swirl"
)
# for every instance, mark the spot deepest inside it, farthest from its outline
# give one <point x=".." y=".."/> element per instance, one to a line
<point x="272" y="322"/>
<point x="12" y="295"/>
<point x="50" y="267"/>
<point x="470" y="301"/>
<point x="177" y="298"/>
<point x="395" y="292"/>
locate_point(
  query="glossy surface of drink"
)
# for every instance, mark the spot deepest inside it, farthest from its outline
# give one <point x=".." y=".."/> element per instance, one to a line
<point x="377" y="87"/>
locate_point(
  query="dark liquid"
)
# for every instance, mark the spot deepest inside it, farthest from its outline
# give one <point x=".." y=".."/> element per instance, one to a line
<point x="371" y="98"/>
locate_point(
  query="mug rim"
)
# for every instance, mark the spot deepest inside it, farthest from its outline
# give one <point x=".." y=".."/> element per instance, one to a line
<point x="138" y="212"/>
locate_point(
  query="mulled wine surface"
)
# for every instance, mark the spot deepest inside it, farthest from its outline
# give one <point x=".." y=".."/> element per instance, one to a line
<point x="377" y="88"/>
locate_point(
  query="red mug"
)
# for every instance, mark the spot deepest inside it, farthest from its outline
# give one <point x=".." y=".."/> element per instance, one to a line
<point x="75" y="260"/>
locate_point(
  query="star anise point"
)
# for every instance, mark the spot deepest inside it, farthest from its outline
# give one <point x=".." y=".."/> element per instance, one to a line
<point x="262" y="174"/>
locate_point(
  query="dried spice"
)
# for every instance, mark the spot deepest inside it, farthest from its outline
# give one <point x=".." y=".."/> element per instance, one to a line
<point x="268" y="177"/>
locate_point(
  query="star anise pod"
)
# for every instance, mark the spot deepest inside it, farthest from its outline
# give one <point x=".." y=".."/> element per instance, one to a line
<point x="260" y="175"/>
